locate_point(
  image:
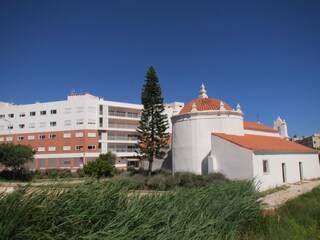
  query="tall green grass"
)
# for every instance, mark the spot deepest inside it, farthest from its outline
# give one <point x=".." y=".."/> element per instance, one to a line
<point x="112" y="211"/>
<point x="298" y="219"/>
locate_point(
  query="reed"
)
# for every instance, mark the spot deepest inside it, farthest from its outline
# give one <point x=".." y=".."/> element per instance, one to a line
<point x="112" y="211"/>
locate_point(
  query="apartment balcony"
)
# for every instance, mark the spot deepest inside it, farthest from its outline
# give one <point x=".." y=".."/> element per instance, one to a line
<point x="124" y="115"/>
<point x="122" y="139"/>
<point x="122" y="127"/>
<point x="122" y="150"/>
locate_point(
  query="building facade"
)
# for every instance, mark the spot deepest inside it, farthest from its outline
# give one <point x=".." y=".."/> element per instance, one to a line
<point x="210" y="136"/>
<point x="312" y="141"/>
<point x="67" y="134"/>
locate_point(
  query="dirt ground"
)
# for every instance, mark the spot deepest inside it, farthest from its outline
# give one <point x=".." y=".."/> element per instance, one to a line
<point x="277" y="199"/>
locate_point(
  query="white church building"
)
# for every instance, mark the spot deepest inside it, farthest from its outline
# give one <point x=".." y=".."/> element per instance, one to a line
<point x="209" y="136"/>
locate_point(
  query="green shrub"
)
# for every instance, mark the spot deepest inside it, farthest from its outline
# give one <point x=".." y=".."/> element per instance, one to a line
<point x="162" y="182"/>
<point x="187" y="179"/>
<point x="162" y="171"/>
<point x="80" y="173"/>
<point x="214" y="178"/>
<point x="54" y="174"/>
<point x="98" y="168"/>
<point x="21" y="174"/>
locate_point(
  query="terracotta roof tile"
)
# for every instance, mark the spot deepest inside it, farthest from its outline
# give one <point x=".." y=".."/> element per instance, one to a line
<point x="264" y="143"/>
<point x="258" y="127"/>
<point x="204" y="104"/>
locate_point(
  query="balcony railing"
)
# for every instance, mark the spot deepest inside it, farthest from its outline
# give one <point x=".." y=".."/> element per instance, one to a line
<point x="122" y="138"/>
<point x="120" y="150"/>
<point x="123" y="125"/>
<point x="124" y="114"/>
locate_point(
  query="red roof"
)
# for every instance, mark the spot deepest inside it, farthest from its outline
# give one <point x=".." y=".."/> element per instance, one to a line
<point x="258" y="127"/>
<point x="264" y="143"/>
<point x="204" y="104"/>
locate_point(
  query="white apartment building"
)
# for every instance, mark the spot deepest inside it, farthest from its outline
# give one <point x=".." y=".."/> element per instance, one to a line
<point x="69" y="133"/>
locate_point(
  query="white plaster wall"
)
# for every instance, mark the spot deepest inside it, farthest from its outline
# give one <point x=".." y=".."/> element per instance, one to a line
<point x="261" y="133"/>
<point x="233" y="161"/>
<point x="183" y="151"/>
<point x="192" y="138"/>
<point x="310" y="165"/>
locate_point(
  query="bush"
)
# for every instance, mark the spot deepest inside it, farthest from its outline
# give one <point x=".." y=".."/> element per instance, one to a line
<point x="162" y="182"/>
<point x="162" y="171"/>
<point x="214" y="178"/>
<point x="187" y="179"/>
<point x="54" y="174"/>
<point x="135" y="181"/>
<point x="21" y="174"/>
<point x="98" y="168"/>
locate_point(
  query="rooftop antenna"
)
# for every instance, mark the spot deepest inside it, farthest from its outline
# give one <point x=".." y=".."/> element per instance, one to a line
<point x="258" y="118"/>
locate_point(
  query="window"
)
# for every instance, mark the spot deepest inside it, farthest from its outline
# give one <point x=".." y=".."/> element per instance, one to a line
<point x="20" y="138"/>
<point x="52" y="136"/>
<point x="42" y="136"/>
<point x="67" y="122"/>
<point x="11" y="115"/>
<point x="91" y="147"/>
<point x="265" y="166"/>
<point x="66" y="148"/>
<point x="32" y="114"/>
<point x="41" y="149"/>
<point x="42" y="124"/>
<point x="43" y="112"/>
<point x="10" y="127"/>
<point x="54" y="111"/>
<point x="31" y="137"/>
<point x="2" y="116"/>
<point x="79" y="109"/>
<point x="67" y="110"/>
<point x="79" y="121"/>
<point x="52" y="149"/>
<point x="133" y="115"/>
<point x="53" y="124"/>
<point x="91" y="121"/>
<point x="92" y="134"/>
<point x="9" y="139"/>
<point x="21" y="125"/>
<point x="79" y="147"/>
<point x="67" y="135"/>
<point x="22" y="114"/>
<point x="32" y="125"/>
<point x="92" y="109"/>
<point x="1" y="139"/>
<point x="79" y="134"/>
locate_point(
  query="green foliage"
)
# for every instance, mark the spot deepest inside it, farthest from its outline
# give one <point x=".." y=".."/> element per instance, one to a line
<point x="109" y="157"/>
<point x="297" y="219"/>
<point x="98" y="168"/>
<point x="102" y="166"/>
<point x="56" y="173"/>
<point x="163" y="180"/>
<point x="152" y="138"/>
<point x="111" y="211"/>
<point x="21" y="174"/>
<point x="15" y="156"/>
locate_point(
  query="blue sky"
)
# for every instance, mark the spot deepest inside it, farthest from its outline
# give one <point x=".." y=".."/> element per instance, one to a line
<point x="263" y="54"/>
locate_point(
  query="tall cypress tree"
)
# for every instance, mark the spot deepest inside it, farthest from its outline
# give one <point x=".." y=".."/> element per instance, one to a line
<point x="153" y="136"/>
